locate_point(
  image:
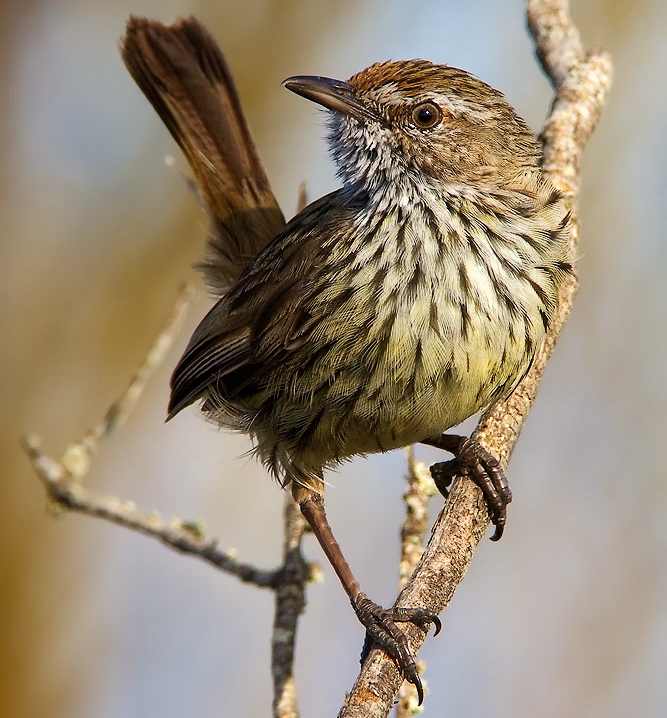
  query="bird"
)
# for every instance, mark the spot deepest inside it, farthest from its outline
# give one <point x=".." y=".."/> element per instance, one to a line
<point x="382" y="314"/>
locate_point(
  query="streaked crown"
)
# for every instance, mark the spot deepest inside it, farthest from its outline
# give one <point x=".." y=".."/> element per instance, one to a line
<point x="430" y="119"/>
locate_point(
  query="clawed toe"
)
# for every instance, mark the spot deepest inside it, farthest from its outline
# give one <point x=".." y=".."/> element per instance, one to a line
<point x="382" y="631"/>
<point x="474" y="461"/>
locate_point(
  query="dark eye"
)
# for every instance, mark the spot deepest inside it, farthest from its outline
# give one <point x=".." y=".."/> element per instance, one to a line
<point x="426" y="115"/>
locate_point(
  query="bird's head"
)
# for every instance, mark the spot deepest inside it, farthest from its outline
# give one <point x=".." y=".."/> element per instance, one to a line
<point x="413" y="121"/>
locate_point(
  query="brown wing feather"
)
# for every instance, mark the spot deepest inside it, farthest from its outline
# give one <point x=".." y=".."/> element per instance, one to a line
<point x="254" y="328"/>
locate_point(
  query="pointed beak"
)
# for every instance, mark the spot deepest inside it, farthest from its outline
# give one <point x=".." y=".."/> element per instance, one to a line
<point x="332" y="94"/>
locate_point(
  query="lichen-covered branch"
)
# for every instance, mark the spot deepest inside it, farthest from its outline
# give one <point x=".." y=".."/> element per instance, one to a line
<point x="421" y="489"/>
<point x="66" y="492"/>
<point x="290" y="602"/>
<point x="581" y="82"/>
<point x="63" y="478"/>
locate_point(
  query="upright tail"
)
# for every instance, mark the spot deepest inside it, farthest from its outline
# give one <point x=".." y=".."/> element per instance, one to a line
<point x="182" y="72"/>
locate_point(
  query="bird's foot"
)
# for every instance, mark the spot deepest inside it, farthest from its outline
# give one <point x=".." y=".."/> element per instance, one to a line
<point x="474" y="461"/>
<point x="382" y="631"/>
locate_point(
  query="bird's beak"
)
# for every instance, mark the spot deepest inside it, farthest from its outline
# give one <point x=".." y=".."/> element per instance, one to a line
<point x="332" y="94"/>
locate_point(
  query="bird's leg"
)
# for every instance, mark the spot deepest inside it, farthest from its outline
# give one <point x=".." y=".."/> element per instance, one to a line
<point x="380" y="623"/>
<point x="474" y="461"/>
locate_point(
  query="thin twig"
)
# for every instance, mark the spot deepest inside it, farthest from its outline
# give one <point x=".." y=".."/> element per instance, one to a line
<point x="62" y="478"/>
<point x="185" y="536"/>
<point x="581" y="87"/>
<point x="421" y="488"/>
<point x="76" y="457"/>
<point x="290" y="602"/>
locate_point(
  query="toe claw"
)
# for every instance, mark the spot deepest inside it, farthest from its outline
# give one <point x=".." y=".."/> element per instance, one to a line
<point x="474" y="461"/>
<point x="420" y="691"/>
<point x="381" y="630"/>
<point x="437" y="623"/>
<point x="498" y="533"/>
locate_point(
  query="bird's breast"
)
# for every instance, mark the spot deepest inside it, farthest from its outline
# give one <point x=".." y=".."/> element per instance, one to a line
<point x="415" y="337"/>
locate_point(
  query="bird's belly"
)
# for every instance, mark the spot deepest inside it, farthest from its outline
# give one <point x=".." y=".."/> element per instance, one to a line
<point x="392" y="388"/>
<point x="407" y="403"/>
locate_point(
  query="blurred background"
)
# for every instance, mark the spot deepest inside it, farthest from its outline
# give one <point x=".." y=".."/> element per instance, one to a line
<point x="566" y="616"/>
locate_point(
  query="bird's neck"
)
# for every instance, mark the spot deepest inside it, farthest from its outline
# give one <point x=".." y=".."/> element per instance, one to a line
<point x="400" y="193"/>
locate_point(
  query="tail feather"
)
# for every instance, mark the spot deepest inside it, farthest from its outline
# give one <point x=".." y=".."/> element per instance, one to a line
<point x="182" y="72"/>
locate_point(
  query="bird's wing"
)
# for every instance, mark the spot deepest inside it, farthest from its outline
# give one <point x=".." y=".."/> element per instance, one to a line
<point x="265" y="316"/>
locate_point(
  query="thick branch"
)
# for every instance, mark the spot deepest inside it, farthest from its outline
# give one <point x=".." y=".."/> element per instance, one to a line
<point x="581" y="87"/>
<point x="557" y="42"/>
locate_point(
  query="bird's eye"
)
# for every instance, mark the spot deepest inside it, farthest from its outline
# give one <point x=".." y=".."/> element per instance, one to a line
<point x="426" y="115"/>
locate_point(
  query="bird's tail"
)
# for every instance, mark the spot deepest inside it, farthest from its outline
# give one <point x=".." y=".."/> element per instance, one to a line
<point x="182" y="72"/>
